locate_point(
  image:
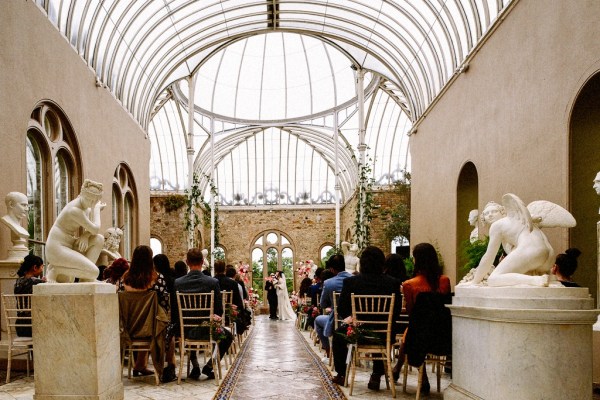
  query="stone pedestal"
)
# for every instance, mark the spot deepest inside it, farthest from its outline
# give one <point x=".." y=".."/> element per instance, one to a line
<point x="521" y="343"/>
<point x="8" y="276"/>
<point x="76" y="342"/>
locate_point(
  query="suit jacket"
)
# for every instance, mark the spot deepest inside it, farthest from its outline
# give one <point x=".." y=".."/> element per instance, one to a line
<point x="228" y="284"/>
<point x="375" y="284"/>
<point x="330" y="286"/>
<point x="196" y="282"/>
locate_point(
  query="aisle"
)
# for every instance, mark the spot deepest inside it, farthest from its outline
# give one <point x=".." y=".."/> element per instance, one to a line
<point x="276" y="362"/>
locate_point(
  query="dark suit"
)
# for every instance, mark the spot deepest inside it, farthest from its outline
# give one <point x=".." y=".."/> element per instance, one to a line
<point x="197" y="282"/>
<point x="229" y="285"/>
<point x="272" y="298"/>
<point x="363" y="284"/>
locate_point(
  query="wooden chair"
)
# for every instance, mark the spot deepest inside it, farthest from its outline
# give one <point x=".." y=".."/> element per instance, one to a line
<point x="336" y="324"/>
<point x="142" y="325"/>
<point x="375" y="313"/>
<point x="429" y="337"/>
<point x="17" y="311"/>
<point x="227" y="296"/>
<point x="194" y="309"/>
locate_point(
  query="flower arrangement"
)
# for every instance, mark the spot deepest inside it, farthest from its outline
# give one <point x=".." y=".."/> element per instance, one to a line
<point x="294" y="305"/>
<point x="305" y="269"/>
<point x="217" y="330"/>
<point x="243" y="270"/>
<point x="253" y="299"/>
<point x="354" y="332"/>
<point x="232" y="312"/>
<point x="314" y="311"/>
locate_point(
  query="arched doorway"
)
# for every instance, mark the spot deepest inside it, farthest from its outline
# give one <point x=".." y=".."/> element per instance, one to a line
<point x="584" y="160"/>
<point x="271" y="251"/>
<point x="467" y="199"/>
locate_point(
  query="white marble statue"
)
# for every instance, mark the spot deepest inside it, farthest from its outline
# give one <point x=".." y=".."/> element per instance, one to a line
<point x="205" y="264"/>
<point x="529" y="254"/>
<point x="16" y="209"/>
<point x="110" y="250"/>
<point x="473" y="219"/>
<point x="597" y="185"/>
<point x="69" y="256"/>
<point x="350" y="258"/>
<point x="492" y="212"/>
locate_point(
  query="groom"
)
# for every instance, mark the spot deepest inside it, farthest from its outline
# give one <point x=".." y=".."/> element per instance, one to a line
<point x="271" y="297"/>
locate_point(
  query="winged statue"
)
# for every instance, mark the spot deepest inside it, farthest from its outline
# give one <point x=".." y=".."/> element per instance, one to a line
<point x="529" y="254"/>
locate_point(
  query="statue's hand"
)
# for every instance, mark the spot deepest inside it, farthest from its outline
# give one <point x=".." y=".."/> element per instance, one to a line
<point x="101" y="205"/>
<point x="82" y="244"/>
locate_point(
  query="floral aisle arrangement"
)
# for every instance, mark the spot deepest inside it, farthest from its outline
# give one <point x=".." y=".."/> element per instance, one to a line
<point x="305" y="269"/>
<point x="244" y="271"/>
<point x="253" y="299"/>
<point x="294" y="301"/>
<point x="354" y="332"/>
<point x="215" y="327"/>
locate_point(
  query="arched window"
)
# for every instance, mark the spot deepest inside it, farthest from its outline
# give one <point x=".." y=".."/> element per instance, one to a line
<point x="124" y="201"/>
<point x="271" y="252"/>
<point x="156" y="245"/>
<point x="53" y="164"/>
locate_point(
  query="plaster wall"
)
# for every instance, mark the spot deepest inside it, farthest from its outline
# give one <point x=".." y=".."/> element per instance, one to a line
<point x="517" y="95"/>
<point x="37" y="63"/>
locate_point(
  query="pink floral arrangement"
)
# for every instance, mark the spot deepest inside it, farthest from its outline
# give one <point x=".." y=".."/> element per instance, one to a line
<point x="305" y="268"/>
<point x="244" y="271"/>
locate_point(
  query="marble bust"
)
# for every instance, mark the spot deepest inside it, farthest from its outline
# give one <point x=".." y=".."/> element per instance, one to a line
<point x="350" y="258"/>
<point x="16" y="209"/>
<point x="529" y="254"/>
<point x="473" y="219"/>
<point x="110" y="251"/>
<point x="70" y="256"/>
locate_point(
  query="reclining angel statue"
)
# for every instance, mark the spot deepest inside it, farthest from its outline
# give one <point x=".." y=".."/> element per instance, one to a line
<point x="529" y="254"/>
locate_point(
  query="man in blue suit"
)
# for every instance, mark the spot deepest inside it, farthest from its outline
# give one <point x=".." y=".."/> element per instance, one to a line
<point x="324" y="323"/>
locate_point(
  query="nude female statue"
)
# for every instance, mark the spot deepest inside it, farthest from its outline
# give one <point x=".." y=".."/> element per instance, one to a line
<point x="70" y="256"/>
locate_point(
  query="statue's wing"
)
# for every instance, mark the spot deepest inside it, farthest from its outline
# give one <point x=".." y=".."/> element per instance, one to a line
<point x="516" y="210"/>
<point x="550" y="215"/>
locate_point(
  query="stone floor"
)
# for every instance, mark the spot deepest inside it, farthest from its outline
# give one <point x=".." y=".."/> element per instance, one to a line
<point x="277" y="361"/>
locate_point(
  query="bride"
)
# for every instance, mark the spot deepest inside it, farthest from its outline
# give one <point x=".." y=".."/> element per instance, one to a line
<point x="284" y="309"/>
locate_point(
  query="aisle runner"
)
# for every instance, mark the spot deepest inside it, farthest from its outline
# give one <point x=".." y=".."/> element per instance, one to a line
<point x="276" y="362"/>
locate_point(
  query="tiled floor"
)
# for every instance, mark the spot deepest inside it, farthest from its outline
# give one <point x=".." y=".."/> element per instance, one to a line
<point x="275" y="366"/>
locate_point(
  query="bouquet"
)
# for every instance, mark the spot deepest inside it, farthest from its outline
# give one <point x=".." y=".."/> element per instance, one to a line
<point x="214" y="327"/>
<point x="231" y="312"/>
<point x="243" y="270"/>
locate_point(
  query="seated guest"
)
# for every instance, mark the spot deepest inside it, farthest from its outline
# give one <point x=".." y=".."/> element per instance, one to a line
<point x="197" y="282"/>
<point x="324" y="323"/>
<point x="163" y="266"/>
<point x="115" y="271"/>
<point x="29" y="274"/>
<point x="394" y="267"/>
<point x="317" y="287"/>
<point x="228" y="284"/>
<point x="304" y="287"/>
<point x="244" y="318"/>
<point x="565" y="266"/>
<point x="141" y="276"/>
<point x="370" y="281"/>
<point x="181" y="269"/>
<point x="428" y="278"/>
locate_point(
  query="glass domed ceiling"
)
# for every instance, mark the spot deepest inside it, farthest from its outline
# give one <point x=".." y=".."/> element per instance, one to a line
<point x="275" y="76"/>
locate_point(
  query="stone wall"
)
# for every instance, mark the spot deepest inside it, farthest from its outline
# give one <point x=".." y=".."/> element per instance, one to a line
<point x="308" y="229"/>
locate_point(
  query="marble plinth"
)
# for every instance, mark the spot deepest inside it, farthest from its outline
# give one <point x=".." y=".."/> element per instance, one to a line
<point x="8" y="276"/>
<point x="521" y="343"/>
<point x="76" y="342"/>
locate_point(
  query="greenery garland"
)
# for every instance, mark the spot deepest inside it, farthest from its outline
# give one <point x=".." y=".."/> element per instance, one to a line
<point x="364" y="204"/>
<point x="191" y="217"/>
<point x="206" y="216"/>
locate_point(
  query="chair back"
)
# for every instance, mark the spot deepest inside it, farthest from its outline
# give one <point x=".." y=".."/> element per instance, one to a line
<point x="140" y="314"/>
<point x="194" y="309"/>
<point x="336" y="320"/>
<point x="375" y="313"/>
<point x="17" y="312"/>
<point x="429" y="328"/>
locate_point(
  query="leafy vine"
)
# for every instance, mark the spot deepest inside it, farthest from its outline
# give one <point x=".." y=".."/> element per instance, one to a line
<point x="191" y="217"/>
<point x="214" y="193"/>
<point x="364" y="204"/>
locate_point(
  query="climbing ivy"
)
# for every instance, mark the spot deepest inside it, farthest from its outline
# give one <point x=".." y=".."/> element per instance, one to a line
<point x="214" y="193"/>
<point x="364" y="205"/>
<point x="191" y="217"/>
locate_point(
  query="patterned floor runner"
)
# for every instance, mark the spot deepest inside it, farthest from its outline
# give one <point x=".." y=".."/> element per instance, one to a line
<point x="276" y="362"/>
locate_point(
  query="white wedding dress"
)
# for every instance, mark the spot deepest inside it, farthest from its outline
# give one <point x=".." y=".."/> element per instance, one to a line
<point x="284" y="308"/>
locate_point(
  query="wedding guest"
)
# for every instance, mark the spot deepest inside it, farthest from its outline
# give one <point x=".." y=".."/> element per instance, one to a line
<point x="181" y="269"/>
<point x="428" y="278"/>
<point x="197" y="282"/>
<point x="304" y="287"/>
<point x="115" y="271"/>
<point x="370" y="281"/>
<point x="394" y="267"/>
<point x="141" y="276"/>
<point x="228" y="284"/>
<point x="315" y="289"/>
<point x="231" y="272"/>
<point x="324" y="323"/>
<point x="565" y="265"/>
<point x="163" y="266"/>
<point x="29" y="274"/>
